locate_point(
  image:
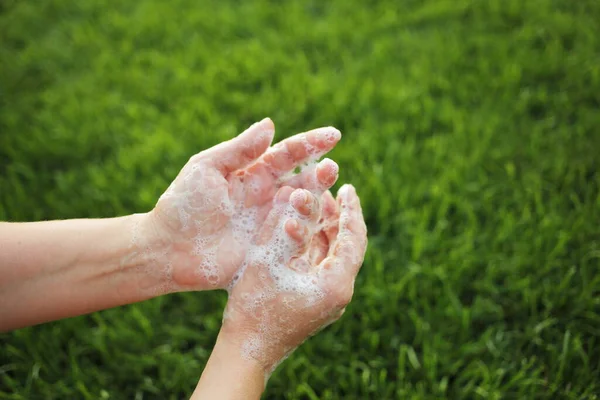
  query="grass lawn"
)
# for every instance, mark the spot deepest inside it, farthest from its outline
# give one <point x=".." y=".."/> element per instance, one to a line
<point x="471" y="131"/>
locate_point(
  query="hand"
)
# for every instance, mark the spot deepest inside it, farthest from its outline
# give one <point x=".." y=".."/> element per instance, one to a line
<point x="201" y="227"/>
<point x="300" y="275"/>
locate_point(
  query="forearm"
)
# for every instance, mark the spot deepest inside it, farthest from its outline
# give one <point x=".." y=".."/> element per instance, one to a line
<point x="229" y="375"/>
<point x="58" y="269"/>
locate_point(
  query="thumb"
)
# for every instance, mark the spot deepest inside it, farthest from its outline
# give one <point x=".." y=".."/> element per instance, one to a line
<point x="244" y="149"/>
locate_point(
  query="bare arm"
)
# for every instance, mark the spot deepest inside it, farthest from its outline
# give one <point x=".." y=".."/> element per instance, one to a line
<point x="189" y="241"/>
<point x="58" y="269"/>
<point x="228" y="375"/>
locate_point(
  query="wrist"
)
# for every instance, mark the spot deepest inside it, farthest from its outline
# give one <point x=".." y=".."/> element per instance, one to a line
<point x="232" y="349"/>
<point x="262" y="348"/>
<point x="149" y="252"/>
<point x="227" y="360"/>
<point x="177" y="254"/>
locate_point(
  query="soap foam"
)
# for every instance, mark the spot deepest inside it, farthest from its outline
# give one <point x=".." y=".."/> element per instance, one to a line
<point x="196" y="199"/>
<point x="278" y="285"/>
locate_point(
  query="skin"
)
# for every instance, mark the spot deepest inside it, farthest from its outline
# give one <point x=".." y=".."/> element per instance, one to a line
<point x="281" y="321"/>
<point x="192" y="240"/>
<point x="58" y="269"/>
<point x="216" y="187"/>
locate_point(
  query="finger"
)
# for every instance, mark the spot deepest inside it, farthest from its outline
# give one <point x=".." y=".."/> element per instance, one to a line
<point x="317" y="178"/>
<point x="290" y="153"/>
<point x="283" y="195"/>
<point x="300" y="227"/>
<point x="318" y="248"/>
<point x="244" y="149"/>
<point x="330" y="216"/>
<point x="351" y="242"/>
<point x="280" y="200"/>
<point x="299" y="233"/>
<point x="306" y="204"/>
<point x="295" y="230"/>
<point x="329" y="206"/>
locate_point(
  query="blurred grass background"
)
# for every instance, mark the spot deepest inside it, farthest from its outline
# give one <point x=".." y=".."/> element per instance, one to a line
<point x="471" y="131"/>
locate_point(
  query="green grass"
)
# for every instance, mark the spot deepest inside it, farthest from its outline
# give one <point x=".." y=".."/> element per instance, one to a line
<point x="471" y="131"/>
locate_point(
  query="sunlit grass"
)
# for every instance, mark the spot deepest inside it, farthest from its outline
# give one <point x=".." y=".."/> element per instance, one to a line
<point x="471" y="131"/>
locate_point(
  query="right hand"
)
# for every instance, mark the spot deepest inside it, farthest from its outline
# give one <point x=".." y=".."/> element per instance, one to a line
<point x="297" y="279"/>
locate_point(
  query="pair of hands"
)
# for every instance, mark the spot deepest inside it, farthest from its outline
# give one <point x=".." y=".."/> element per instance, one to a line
<point x="238" y="218"/>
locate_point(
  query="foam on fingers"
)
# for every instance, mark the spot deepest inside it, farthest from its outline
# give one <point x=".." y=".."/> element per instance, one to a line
<point x="300" y="149"/>
<point x="305" y="203"/>
<point x="295" y="230"/>
<point x="351" y="241"/>
<point x="316" y="177"/>
<point x="244" y="149"/>
<point x="327" y="173"/>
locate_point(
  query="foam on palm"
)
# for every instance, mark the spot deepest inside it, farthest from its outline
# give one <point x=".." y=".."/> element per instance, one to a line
<point x="210" y="210"/>
<point x="273" y="297"/>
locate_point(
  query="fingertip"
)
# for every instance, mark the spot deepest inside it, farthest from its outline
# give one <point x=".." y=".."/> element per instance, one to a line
<point x="268" y="124"/>
<point x="346" y="190"/>
<point x="347" y="196"/>
<point x="244" y="149"/>
<point x="327" y="172"/>
<point x="259" y="136"/>
<point x="351" y="218"/>
<point x="304" y="202"/>
<point x="290" y="153"/>
<point x="291" y="226"/>
<point x="333" y="134"/>
<point x="266" y="132"/>
<point x="328" y="162"/>
<point x="300" y="197"/>
<point x="324" y="138"/>
<point x="295" y="230"/>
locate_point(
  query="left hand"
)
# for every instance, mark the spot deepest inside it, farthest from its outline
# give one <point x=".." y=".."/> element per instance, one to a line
<point x="201" y="228"/>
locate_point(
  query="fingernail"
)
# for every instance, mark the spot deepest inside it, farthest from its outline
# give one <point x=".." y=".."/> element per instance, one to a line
<point x="299" y="194"/>
<point x="306" y="195"/>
